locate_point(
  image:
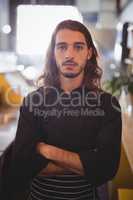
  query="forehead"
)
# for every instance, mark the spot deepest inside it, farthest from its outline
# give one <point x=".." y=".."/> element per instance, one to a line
<point x="70" y="36"/>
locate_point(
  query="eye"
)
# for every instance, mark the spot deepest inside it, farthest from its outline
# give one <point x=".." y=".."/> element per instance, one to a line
<point x="78" y="47"/>
<point x="61" y="47"/>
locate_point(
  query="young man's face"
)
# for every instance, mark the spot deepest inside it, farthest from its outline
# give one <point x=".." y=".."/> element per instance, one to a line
<point x="71" y="52"/>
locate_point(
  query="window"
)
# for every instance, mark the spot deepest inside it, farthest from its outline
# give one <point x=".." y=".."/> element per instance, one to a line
<point x="36" y="23"/>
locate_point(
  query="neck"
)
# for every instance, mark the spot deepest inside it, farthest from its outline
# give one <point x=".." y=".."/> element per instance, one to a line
<point x="69" y="84"/>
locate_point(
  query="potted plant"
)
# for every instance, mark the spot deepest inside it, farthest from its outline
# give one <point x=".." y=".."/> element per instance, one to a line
<point x="114" y="85"/>
<point x="117" y="83"/>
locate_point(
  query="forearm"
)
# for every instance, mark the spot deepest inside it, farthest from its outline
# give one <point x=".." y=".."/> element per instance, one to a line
<point x="66" y="159"/>
<point x="53" y="169"/>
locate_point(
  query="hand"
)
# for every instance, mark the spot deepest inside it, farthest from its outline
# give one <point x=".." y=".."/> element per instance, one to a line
<point x="53" y="169"/>
<point x="44" y="149"/>
<point x="41" y="147"/>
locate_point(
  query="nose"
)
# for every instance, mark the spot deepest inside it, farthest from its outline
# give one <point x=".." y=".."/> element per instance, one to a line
<point x="69" y="52"/>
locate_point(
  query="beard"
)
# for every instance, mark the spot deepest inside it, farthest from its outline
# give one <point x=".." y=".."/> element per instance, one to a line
<point x="72" y="75"/>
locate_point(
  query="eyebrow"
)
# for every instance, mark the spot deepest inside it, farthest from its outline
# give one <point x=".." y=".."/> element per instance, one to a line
<point x="65" y="43"/>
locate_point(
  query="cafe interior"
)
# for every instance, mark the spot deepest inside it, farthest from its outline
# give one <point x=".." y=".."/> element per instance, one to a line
<point x="25" y="32"/>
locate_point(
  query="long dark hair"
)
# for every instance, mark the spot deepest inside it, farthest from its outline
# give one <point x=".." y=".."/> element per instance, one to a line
<point x="93" y="73"/>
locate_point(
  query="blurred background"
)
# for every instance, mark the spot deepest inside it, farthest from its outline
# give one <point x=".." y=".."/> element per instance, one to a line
<point x="25" y="32"/>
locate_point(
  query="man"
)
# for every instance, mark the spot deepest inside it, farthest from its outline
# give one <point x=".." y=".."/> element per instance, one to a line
<point x="69" y="131"/>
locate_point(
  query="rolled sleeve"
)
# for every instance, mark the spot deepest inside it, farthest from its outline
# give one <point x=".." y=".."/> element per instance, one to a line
<point x="101" y="163"/>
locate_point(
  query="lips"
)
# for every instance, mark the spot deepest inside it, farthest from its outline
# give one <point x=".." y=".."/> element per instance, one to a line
<point x="69" y="64"/>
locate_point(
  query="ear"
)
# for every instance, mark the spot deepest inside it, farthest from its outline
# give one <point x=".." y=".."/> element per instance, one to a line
<point x="89" y="53"/>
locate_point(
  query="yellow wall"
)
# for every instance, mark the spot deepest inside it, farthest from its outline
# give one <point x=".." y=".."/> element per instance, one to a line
<point x="124" y="177"/>
<point x="7" y="95"/>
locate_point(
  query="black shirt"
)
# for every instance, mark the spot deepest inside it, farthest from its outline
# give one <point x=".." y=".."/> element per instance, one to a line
<point x="84" y="121"/>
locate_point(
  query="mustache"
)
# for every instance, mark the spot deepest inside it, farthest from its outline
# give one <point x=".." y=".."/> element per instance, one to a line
<point x="69" y="62"/>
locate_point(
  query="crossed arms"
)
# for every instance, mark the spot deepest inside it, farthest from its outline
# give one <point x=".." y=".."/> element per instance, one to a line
<point x="62" y="161"/>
